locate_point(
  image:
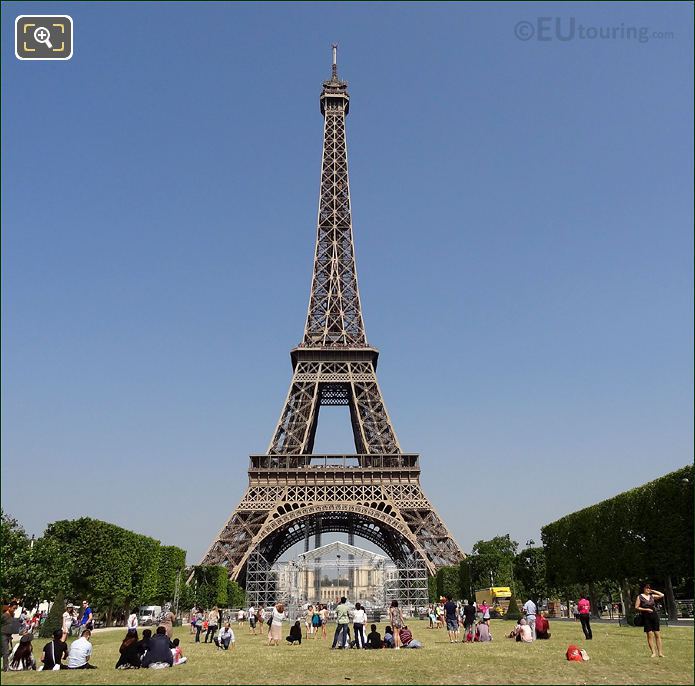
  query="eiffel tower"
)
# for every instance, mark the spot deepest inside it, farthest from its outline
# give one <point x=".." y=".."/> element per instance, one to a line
<point x="375" y="493"/>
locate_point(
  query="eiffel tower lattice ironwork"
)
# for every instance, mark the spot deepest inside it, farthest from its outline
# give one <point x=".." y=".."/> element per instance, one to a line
<point x="374" y="493"/>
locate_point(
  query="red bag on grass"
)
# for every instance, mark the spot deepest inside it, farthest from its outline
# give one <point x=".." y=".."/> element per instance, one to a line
<point x="574" y="654"/>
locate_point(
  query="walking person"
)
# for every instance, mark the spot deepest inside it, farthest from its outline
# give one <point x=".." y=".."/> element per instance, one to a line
<point x="646" y="606"/>
<point x="584" y="609"/>
<point x="167" y="621"/>
<point x="213" y="621"/>
<point x="132" y="623"/>
<point x="308" y="619"/>
<point x="342" y="617"/>
<point x="359" y="619"/>
<point x="8" y="628"/>
<point x="530" y="611"/>
<point x="485" y="610"/>
<point x="396" y="620"/>
<point x="452" y="622"/>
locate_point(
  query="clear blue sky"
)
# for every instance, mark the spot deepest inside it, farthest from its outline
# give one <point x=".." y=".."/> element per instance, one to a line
<point x="523" y="218"/>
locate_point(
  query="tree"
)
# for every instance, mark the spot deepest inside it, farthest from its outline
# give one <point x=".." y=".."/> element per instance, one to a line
<point x="15" y="558"/>
<point x="236" y="596"/>
<point x="644" y="533"/>
<point x="529" y="574"/>
<point x="209" y="586"/>
<point x="492" y="561"/>
<point x="465" y="581"/>
<point x="513" y="611"/>
<point x="54" y="619"/>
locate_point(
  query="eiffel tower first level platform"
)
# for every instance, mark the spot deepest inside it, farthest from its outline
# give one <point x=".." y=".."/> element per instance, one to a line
<point x="294" y="495"/>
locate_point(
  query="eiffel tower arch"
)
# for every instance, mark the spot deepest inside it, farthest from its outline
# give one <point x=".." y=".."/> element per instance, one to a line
<point x="293" y="494"/>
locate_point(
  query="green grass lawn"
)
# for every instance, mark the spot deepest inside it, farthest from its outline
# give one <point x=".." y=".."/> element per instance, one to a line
<point x="618" y="656"/>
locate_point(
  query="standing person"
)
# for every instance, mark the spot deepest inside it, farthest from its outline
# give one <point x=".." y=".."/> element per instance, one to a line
<point x="240" y="616"/>
<point x="316" y="621"/>
<point x="452" y="622"/>
<point x="396" y="619"/>
<point x="308" y="621"/>
<point x="261" y="617"/>
<point x="213" y="621"/>
<point x="81" y="651"/>
<point x="646" y="605"/>
<point x="485" y="610"/>
<point x="87" y="620"/>
<point x="530" y="611"/>
<point x="584" y="609"/>
<point x="194" y="612"/>
<point x="132" y="623"/>
<point x="8" y="628"/>
<point x="359" y="619"/>
<point x="198" y="624"/>
<point x="54" y="652"/>
<point x="342" y="617"/>
<point x="69" y="618"/>
<point x="324" y="621"/>
<point x="252" y="620"/>
<point x="167" y="621"/>
<point x="275" y="631"/>
<point x="468" y="618"/>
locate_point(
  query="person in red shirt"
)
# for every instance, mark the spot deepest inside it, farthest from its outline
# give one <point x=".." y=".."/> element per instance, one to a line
<point x="542" y="627"/>
<point x="584" y="610"/>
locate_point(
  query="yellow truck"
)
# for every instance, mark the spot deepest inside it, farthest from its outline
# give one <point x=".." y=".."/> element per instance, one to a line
<point x="497" y="597"/>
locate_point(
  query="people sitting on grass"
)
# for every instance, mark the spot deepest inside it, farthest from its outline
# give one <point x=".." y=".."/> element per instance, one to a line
<point x="407" y="640"/>
<point x="389" y="641"/>
<point x="374" y="641"/>
<point x="177" y="652"/>
<point x="80" y="652"/>
<point x="522" y="632"/>
<point x="158" y="655"/>
<point x="482" y="632"/>
<point x="542" y="627"/>
<point x="54" y="652"/>
<point x="23" y="657"/>
<point x="144" y="642"/>
<point x="225" y="637"/>
<point x="295" y="634"/>
<point x="130" y="651"/>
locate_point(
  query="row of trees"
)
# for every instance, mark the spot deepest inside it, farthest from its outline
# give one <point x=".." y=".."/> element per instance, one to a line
<point x="643" y="534"/>
<point x="495" y="562"/>
<point x="86" y="558"/>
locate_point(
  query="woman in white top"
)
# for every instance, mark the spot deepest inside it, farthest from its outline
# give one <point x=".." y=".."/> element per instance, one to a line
<point x="68" y="619"/>
<point x="133" y="620"/>
<point x="359" y="619"/>
<point x="275" y="632"/>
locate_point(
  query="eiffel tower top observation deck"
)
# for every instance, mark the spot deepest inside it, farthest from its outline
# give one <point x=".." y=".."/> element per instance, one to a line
<point x="335" y="315"/>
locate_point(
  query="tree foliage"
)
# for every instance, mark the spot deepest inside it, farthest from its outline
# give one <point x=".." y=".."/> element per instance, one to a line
<point x="54" y="619"/>
<point x="209" y="586"/>
<point x="15" y="558"/>
<point x="530" y="574"/>
<point x="114" y="568"/>
<point x="491" y="562"/>
<point x="644" y="533"/>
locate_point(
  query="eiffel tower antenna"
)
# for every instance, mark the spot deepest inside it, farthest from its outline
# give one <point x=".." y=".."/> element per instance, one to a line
<point x="375" y="493"/>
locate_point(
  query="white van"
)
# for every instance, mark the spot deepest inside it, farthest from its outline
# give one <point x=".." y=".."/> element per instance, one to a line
<point x="149" y="614"/>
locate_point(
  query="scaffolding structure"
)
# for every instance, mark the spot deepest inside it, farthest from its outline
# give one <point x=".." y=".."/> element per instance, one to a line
<point x="261" y="581"/>
<point x="408" y="585"/>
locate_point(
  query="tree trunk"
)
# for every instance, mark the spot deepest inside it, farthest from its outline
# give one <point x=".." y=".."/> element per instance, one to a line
<point x="594" y="598"/>
<point x="670" y="600"/>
